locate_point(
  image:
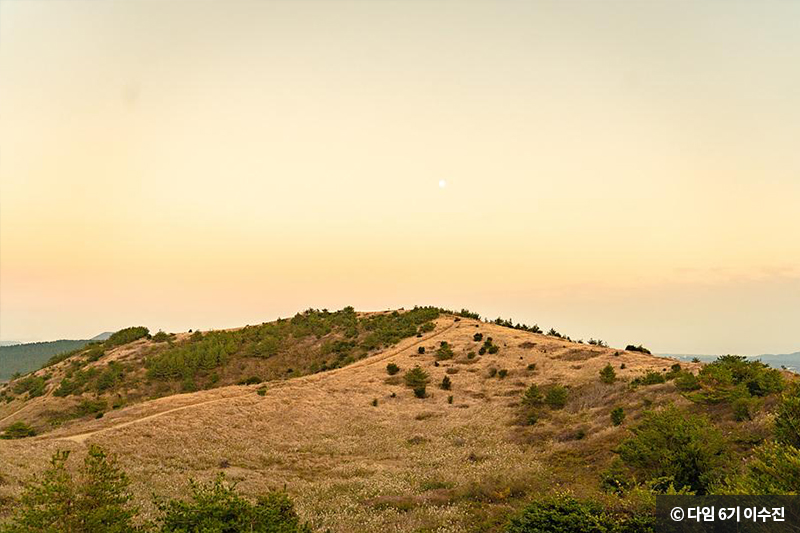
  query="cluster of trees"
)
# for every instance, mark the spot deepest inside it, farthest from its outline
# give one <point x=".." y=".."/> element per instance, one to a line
<point x="97" y="499"/>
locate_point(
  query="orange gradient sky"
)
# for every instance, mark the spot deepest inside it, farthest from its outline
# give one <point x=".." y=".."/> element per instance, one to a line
<point x="621" y="170"/>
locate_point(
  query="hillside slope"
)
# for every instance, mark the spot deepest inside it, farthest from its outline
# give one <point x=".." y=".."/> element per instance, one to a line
<point x="358" y="450"/>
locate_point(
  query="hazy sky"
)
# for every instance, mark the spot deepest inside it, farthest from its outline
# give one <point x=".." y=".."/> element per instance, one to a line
<point x="622" y="170"/>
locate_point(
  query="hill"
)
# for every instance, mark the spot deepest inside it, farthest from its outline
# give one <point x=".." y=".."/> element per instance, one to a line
<point x="331" y="406"/>
<point x="103" y="336"/>
<point x="24" y="358"/>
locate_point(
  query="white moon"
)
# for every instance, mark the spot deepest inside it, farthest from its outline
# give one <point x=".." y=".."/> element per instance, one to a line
<point x="442" y="184"/>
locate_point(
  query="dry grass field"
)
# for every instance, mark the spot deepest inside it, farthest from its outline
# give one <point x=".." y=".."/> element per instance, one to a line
<point x="405" y="464"/>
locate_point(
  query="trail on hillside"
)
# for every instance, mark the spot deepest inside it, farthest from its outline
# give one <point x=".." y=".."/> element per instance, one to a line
<point x="369" y="361"/>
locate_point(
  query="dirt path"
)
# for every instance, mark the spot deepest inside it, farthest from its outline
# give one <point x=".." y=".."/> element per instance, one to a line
<point x="82" y="437"/>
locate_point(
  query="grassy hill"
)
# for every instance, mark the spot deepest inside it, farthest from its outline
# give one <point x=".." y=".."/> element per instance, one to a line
<point x="24" y="358"/>
<point x="419" y="420"/>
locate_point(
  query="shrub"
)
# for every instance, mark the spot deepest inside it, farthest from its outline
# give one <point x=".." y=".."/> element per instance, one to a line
<point x="729" y="371"/>
<point x="97" y="500"/>
<point x="651" y="377"/>
<point x="252" y="380"/>
<point x="450" y="399"/>
<point x="787" y="418"/>
<point x="532" y="396"/>
<point x="470" y="355"/>
<point x="392" y="369"/>
<point x="17" y="430"/>
<point x="444" y="352"/>
<point x="492" y="372"/>
<point x="531" y="367"/>
<point x="416" y="377"/>
<point x="493" y="349"/>
<point x="607" y="374"/>
<point x="34" y="385"/>
<point x="374" y="402"/>
<point x="426" y="327"/>
<point x="502" y="373"/>
<point x="421" y="350"/>
<point x="743" y="408"/>
<point x="677" y="445"/>
<point x="686" y="381"/>
<point x="773" y="469"/>
<point x="482" y="350"/>
<point x="563" y="514"/>
<point x="161" y="336"/>
<point x="420" y="391"/>
<point x="477" y="337"/>
<point x="617" y="415"/>
<point x="446" y="383"/>
<point x="217" y="506"/>
<point x="124" y="336"/>
<point x="556" y="397"/>
<point x="639" y="348"/>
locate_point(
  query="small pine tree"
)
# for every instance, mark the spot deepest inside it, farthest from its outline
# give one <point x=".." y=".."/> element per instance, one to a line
<point x="446" y="383"/>
<point x="416" y="377"/>
<point x="617" y="415"/>
<point x="608" y="374"/>
<point x="392" y="369"/>
<point x="95" y="501"/>
<point x="533" y="396"/>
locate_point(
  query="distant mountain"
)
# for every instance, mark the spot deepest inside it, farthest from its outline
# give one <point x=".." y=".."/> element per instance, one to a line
<point x="24" y="358"/>
<point x="790" y="361"/>
<point x="102" y="337"/>
<point x="8" y="343"/>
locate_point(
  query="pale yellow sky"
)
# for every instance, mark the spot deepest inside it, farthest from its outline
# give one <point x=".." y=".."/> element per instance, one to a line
<point x="622" y="170"/>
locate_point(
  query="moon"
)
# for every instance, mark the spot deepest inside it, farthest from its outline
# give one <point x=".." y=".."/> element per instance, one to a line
<point x="442" y="184"/>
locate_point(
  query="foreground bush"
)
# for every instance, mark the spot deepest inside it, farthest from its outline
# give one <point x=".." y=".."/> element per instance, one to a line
<point x="773" y="469"/>
<point x="682" y="448"/>
<point x="217" y="507"/>
<point x="565" y="514"/>
<point x="97" y="500"/>
<point x="17" y="430"/>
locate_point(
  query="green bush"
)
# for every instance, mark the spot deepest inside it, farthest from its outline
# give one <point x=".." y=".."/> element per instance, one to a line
<point x="392" y="369"/>
<point x="444" y="352"/>
<point x="773" y="469"/>
<point x="96" y="500"/>
<point x="416" y="377"/>
<point x="673" y="444"/>
<point x="217" y="507"/>
<point x="556" y="397"/>
<point x="533" y="396"/>
<point x="686" y="381"/>
<point x="34" y="385"/>
<point x="477" y="337"/>
<point x="161" y="336"/>
<point x="608" y="374"/>
<point x="446" y="383"/>
<point x="17" y="430"/>
<point x="502" y="373"/>
<point x="566" y="514"/>
<point x="420" y="391"/>
<point x="787" y="418"/>
<point x="651" y="377"/>
<point x="617" y="415"/>
<point x="421" y="350"/>
<point x="639" y="348"/>
<point x="124" y="336"/>
<point x="744" y="408"/>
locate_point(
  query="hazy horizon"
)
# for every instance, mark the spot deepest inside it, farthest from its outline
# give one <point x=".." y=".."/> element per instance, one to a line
<point x="617" y="170"/>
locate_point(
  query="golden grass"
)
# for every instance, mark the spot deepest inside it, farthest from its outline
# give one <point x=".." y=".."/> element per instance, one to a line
<point x="405" y="465"/>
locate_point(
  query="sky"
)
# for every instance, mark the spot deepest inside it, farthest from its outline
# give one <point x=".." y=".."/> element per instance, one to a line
<point x="621" y="170"/>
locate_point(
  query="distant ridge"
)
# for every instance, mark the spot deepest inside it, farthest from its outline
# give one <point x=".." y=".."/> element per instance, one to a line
<point x="791" y="361"/>
<point x="102" y="337"/>
<point x="24" y="358"/>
